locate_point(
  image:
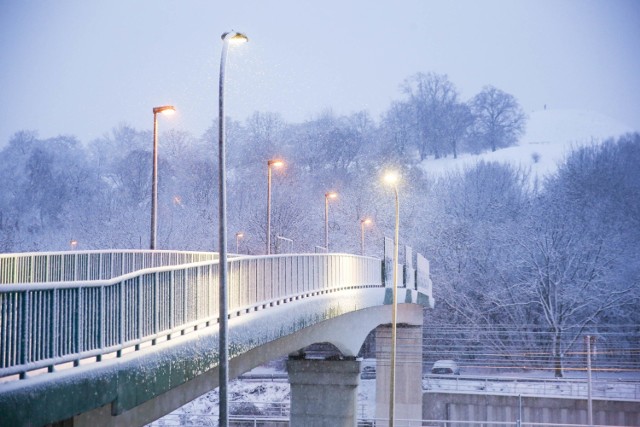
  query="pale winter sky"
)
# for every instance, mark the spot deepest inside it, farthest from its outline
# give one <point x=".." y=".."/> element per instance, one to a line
<point x="82" y="67"/>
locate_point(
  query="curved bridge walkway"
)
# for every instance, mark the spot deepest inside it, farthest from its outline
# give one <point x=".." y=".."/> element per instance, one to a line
<point x="125" y="337"/>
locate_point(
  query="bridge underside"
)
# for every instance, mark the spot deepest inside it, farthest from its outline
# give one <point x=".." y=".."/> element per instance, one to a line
<point x="144" y="385"/>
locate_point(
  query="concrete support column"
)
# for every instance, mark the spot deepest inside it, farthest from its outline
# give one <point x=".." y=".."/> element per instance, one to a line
<point x="324" y="393"/>
<point x="408" y="390"/>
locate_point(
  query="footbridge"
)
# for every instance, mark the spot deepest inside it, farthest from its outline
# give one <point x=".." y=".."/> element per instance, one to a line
<point x="121" y="338"/>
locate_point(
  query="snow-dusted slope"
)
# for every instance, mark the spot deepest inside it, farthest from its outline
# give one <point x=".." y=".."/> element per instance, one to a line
<point x="550" y="135"/>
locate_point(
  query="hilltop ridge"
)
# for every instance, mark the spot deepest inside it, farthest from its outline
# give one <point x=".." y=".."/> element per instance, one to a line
<point x="549" y="136"/>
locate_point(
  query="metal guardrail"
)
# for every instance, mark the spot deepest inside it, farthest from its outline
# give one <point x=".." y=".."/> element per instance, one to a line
<point x="45" y="267"/>
<point x="199" y="420"/>
<point x="47" y="324"/>
<point x="539" y="387"/>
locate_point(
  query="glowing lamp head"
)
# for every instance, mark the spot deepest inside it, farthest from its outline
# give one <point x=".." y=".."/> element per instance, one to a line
<point x="366" y="221"/>
<point x="235" y="38"/>
<point x="165" y="109"/>
<point x="391" y="178"/>
<point x="276" y="163"/>
<point x="240" y="235"/>
<point x="331" y="195"/>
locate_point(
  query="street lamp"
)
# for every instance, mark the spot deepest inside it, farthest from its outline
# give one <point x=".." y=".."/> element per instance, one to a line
<point x="363" y="222"/>
<point x="165" y="109"/>
<point x="392" y="178"/>
<point x="277" y="164"/>
<point x="223" y="361"/>
<point x="73" y="243"/>
<point x="327" y="196"/>
<point x="239" y="235"/>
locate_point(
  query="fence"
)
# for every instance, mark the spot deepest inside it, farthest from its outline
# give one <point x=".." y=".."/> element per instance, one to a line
<point x="44" y="267"/>
<point x="46" y="324"/>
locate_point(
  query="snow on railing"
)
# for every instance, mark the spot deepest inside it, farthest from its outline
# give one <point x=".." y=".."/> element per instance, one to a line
<point x="45" y="267"/>
<point x="47" y="324"/>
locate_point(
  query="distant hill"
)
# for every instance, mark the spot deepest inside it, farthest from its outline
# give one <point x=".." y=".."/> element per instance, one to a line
<point x="550" y="135"/>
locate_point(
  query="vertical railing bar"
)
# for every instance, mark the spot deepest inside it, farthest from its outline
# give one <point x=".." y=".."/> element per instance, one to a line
<point x="101" y="320"/>
<point x="55" y="319"/>
<point x="25" y="332"/>
<point x="171" y="300"/>
<point x="62" y="267"/>
<point x="156" y="305"/>
<point x="79" y="325"/>
<point x="139" y="306"/>
<point x="121" y="317"/>
<point x="31" y="268"/>
<point x="184" y="300"/>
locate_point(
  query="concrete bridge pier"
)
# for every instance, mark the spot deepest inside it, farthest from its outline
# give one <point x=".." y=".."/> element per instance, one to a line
<point x="408" y="390"/>
<point x="324" y="393"/>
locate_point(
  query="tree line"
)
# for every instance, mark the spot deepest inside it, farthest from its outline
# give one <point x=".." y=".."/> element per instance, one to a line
<point x="559" y="257"/>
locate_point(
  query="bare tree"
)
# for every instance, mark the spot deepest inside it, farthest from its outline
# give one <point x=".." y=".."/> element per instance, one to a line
<point x="431" y="97"/>
<point x="568" y="272"/>
<point x="500" y="120"/>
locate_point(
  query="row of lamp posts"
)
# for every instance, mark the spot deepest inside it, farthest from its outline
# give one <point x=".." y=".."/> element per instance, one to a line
<point x="391" y="179"/>
<point x="272" y="163"/>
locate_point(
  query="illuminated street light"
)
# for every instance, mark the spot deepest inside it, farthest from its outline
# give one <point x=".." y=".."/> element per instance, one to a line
<point x="165" y="109"/>
<point x="223" y="362"/>
<point x="363" y="222"/>
<point x="276" y="164"/>
<point x="392" y="178"/>
<point x="239" y="235"/>
<point x="73" y="244"/>
<point x="327" y="196"/>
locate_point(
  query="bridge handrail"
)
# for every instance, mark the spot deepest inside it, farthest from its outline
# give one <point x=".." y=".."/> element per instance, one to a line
<point x="45" y="267"/>
<point x="48" y="324"/>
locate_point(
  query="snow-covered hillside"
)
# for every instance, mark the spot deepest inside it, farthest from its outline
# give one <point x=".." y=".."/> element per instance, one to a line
<point x="550" y="135"/>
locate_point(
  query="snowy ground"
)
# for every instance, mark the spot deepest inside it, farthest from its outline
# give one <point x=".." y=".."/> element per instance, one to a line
<point x="550" y="136"/>
<point x="268" y="398"/>
<point x="267" y="394"/>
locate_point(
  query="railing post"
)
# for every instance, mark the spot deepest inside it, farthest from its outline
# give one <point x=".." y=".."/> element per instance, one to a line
<point x="171" y="299"/>
<point x="102" y="321"/>
<point x="139" y="308"/>
<point x="121" y="317"/>
<point x="156" y="307"/>
<point x="25" y="332"/>
<point x="184" y="301"/>
<point x="78" y="324"/>
<point x="54" y="326"/>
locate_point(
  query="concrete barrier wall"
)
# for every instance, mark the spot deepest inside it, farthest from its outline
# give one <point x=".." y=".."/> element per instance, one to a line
<point x="480" y="407"/>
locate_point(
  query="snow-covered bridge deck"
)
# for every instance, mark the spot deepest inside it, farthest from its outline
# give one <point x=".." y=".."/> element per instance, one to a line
<point x="128" y="326"/>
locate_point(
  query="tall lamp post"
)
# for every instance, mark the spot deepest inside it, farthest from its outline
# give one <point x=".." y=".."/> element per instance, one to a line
<point x="327" y="196"/>
<point x="223" y="361"/>
<point x="270" y="164"/>
<point x="165" y="109"/>
<point x="363" y="222"/>
<point x="392" y="178"/>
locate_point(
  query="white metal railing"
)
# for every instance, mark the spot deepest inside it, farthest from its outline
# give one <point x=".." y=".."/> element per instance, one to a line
<point x="47" y="324"/>
<point x="45" y="267"/>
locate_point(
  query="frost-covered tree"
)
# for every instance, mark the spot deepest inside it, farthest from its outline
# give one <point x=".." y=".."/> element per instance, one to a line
<point x="431" y="98"/>
<point x="461" y="121"/>
<point x="396" y="143"/>
<point x="499" y="119"/>
<point x="472" y="263"/>
<point x="566" y="270"/>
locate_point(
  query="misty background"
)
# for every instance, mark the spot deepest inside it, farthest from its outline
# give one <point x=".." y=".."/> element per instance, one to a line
<point x="520" y="262"/>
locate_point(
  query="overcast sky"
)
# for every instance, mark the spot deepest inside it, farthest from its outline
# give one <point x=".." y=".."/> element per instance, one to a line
<point x="82" y="67"/>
